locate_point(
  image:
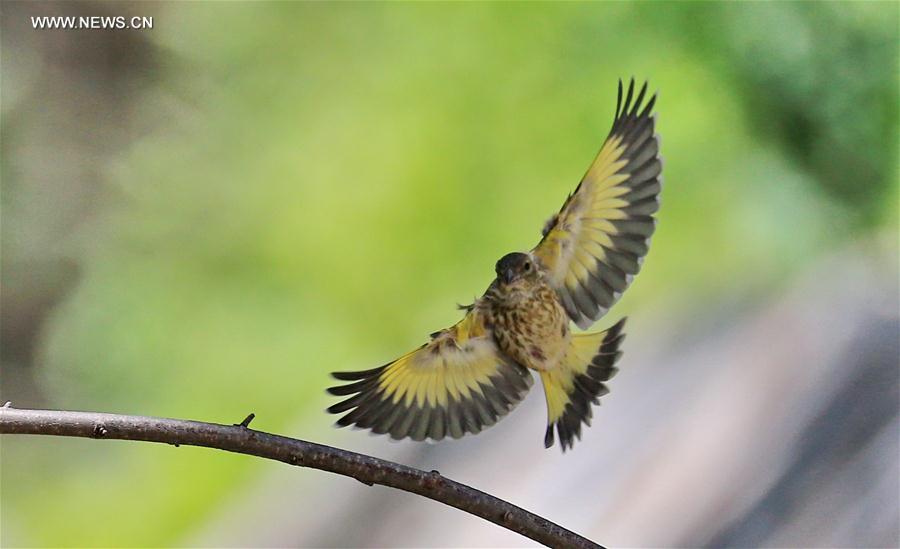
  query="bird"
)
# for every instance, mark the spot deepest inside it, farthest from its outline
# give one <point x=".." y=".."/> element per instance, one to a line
<point x="470" y="375"/>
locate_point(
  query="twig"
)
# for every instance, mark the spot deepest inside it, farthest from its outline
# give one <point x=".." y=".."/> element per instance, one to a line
<point x="243" y="440"/>
<point x="246" y="422"/>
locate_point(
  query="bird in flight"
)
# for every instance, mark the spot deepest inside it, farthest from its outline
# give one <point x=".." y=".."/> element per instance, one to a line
<point x="473" y="373"/>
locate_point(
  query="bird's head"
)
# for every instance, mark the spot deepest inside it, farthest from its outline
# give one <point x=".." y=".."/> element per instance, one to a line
<point x="516" y="267"/>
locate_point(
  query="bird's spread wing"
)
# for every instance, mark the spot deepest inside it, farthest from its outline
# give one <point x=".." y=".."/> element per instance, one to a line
<point x="457" y="383"/>
<point x="594" y="246"/>
<point x="578" y="382"/>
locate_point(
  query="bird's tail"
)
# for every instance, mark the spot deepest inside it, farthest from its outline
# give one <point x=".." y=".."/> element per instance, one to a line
<point x="579" y="382"/>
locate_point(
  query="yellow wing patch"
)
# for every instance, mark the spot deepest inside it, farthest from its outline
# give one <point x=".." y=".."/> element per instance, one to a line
<point x="457" y="383"/>
<point x="595" y="245"/>
<point x="578" y="383"/>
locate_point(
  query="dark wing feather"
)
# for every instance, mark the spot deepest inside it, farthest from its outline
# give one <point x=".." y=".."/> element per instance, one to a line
<point x="457" y="383"/>
<point x="596" y="243"/>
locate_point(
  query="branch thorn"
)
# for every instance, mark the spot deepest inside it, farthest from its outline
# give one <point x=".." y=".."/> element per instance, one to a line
<point x="246" y="423"/>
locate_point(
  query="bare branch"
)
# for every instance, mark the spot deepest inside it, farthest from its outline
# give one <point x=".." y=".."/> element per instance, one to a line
<point x="243" y="440"/>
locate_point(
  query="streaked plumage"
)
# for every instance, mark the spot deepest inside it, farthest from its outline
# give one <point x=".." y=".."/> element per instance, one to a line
<point x="473" y="373"/>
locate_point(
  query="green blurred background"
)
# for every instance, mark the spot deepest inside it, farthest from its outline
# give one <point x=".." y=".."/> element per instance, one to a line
<point x="203" y="219"/>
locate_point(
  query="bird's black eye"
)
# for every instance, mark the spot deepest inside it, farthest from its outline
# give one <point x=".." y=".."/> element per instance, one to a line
<point x="527" y="267"/>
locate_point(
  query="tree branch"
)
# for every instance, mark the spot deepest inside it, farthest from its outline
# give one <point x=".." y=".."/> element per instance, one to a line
<point x="243" y="440"/>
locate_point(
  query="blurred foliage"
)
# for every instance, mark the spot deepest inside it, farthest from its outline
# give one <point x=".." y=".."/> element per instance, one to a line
<point x="329" y="179"/>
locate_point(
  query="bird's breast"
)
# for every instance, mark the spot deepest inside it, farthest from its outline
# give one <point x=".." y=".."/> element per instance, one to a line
<point x="532" y="331"/>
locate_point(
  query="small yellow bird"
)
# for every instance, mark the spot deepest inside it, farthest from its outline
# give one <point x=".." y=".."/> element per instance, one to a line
<point x="473" y="373"/>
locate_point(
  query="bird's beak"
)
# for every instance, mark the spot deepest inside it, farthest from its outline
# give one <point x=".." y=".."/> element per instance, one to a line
<point x="507" y="276"/>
